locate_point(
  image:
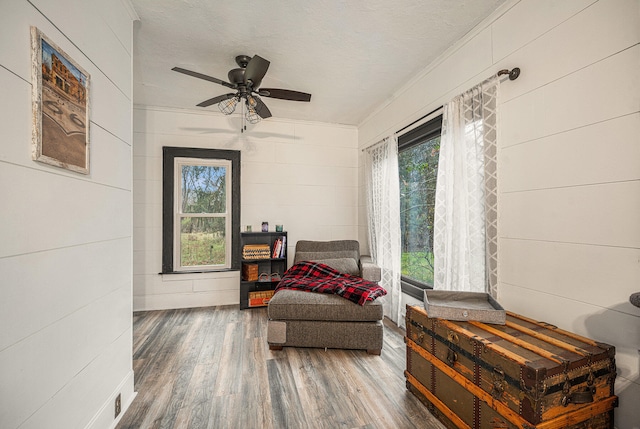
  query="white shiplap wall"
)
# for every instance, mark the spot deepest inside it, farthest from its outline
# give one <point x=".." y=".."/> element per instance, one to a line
<point x="299" y="174"/>
<point x="66" y="238"/>
<point x="569" y="163"/>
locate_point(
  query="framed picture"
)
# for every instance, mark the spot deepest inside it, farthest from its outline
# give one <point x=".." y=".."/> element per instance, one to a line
<point x="60" y="106"/>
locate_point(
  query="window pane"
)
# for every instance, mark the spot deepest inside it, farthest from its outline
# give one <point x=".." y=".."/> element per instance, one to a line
<point x="418" y="167"/>
<point x="203" y="189"/>
<point x="202" y="241"/>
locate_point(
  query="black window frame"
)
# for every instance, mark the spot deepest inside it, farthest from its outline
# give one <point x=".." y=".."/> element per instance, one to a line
<point x="420" y="134"/>
<point x="169" y="153"/>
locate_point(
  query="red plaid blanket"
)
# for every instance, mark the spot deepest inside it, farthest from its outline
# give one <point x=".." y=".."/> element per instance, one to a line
<point x="316" y="277"/>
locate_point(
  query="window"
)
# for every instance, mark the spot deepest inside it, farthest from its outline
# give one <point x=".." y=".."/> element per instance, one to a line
<point x="201" y="210"/>
<point x="418" y="152"/>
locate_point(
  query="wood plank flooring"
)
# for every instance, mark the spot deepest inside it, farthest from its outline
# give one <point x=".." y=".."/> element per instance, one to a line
<point x="212" y="368"/>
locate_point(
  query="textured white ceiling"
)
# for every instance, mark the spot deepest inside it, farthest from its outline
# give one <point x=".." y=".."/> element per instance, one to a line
<point x="350" y="55"/>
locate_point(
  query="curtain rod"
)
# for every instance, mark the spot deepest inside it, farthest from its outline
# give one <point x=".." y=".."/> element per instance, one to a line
<point x="373" y="145"/>
<point x="513" y="75"/>
<point x="419" y="119"/>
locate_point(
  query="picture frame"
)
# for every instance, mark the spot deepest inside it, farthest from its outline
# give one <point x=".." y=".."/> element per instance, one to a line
<point x="60" y="98"/>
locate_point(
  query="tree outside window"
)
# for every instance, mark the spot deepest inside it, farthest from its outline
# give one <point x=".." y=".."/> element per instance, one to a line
<point x="418" y="153"/>
<point x="203" y="212"/>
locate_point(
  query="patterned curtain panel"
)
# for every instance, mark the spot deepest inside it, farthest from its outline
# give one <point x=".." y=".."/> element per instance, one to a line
<point x="465" y="221"/>
<point x="383" y="216"/>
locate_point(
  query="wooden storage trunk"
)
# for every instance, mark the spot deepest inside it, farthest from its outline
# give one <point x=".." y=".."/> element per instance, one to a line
<point x="524" y="374"/>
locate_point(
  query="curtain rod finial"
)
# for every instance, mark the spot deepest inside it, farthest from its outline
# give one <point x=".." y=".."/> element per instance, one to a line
<point x="513" y="74"/>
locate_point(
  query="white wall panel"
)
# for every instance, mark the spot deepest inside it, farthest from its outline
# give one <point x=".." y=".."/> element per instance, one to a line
<point x="345" y="196"/>
<point x="575" y="100"/>
<point x="325" y="135"/>
<point x="181" y="284"/>
<point x="265" y="173"/>
<point x="88" y="396"/>
<point x="596" y="275"/>
<point x="25" y="297"/>
<point x="15" y="37"/>
<point x="49" y="205"/>
<point x="217" y="128"/>
<point x="229" y="281"/>
<point x="186" y="300"/>
<point x="154" y="284"/>
<point x="111" y="162"/>
<point x="341" y="216"/>
<point x="602" y="29"/>
<point x="597" y="214"/>
<point x="343" y="232"/>
<point x="628" y="393"/>
<point x="313" y="155"/>
<point x="147" y="168"/>
<point x="141" y="146"/>
<point x="528" y="20"/>
<point x="68" y="346"/>
<point x="15" y="123"/>
<point x="147" y="238"/>
<point x="116" y="18"/>
<point x="147" y="215"/>
<point x="604" y="152"/>
<point x="110" y="108"/>
<point x="147" y="192"/>
<point x="147" y="262"/>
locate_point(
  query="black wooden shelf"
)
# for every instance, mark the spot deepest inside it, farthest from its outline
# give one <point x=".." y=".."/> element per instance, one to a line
<point x="265" y="265"/>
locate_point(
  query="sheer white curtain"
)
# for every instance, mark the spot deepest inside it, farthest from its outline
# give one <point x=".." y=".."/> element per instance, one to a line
<point x="465" y="221"/>
<point x="383" y="217"/>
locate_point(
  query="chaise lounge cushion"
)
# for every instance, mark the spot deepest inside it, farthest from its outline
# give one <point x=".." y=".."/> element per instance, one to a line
<point x="300" y="305"/>
<point x="316" y="256"/>
<point x="344" y="265"/>
<point x="319" y="251"/>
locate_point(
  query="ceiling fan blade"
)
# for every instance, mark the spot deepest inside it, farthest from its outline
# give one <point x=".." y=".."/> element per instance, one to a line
<point x="203" y="76"/>
<point x="256" y="69"/>
<point x="261" y="109"/>
<point x="215" y="100"/>
<point x="285" y="94"/>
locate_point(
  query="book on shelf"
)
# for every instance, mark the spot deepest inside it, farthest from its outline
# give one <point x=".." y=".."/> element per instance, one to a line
<point x="284" y="246"/>
<point x="279" y="247"/>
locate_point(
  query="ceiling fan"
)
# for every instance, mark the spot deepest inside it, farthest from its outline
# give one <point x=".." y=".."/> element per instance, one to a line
<point x="246" y="80"/>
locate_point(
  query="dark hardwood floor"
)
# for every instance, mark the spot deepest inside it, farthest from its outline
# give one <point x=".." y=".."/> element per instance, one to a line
<point x="212" y="368"/>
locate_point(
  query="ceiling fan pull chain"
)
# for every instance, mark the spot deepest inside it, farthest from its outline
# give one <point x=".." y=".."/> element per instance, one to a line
<point x="243" y="125"/>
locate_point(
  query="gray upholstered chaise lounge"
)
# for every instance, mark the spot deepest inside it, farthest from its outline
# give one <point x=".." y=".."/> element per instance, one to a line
<point x="307" y="319"/>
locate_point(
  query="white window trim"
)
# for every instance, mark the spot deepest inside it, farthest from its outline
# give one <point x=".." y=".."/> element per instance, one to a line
<point x="178" y="214"/>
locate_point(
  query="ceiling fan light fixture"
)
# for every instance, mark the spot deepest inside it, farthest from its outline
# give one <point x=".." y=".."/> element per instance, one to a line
<point x="251" y="115"/>
<point x="228" y="106"/>
<point x="251" y="102"/>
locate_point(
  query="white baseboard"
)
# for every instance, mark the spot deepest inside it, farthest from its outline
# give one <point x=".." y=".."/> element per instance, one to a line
<point x="104" y="418"/>
<point x="185" y="300"/>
